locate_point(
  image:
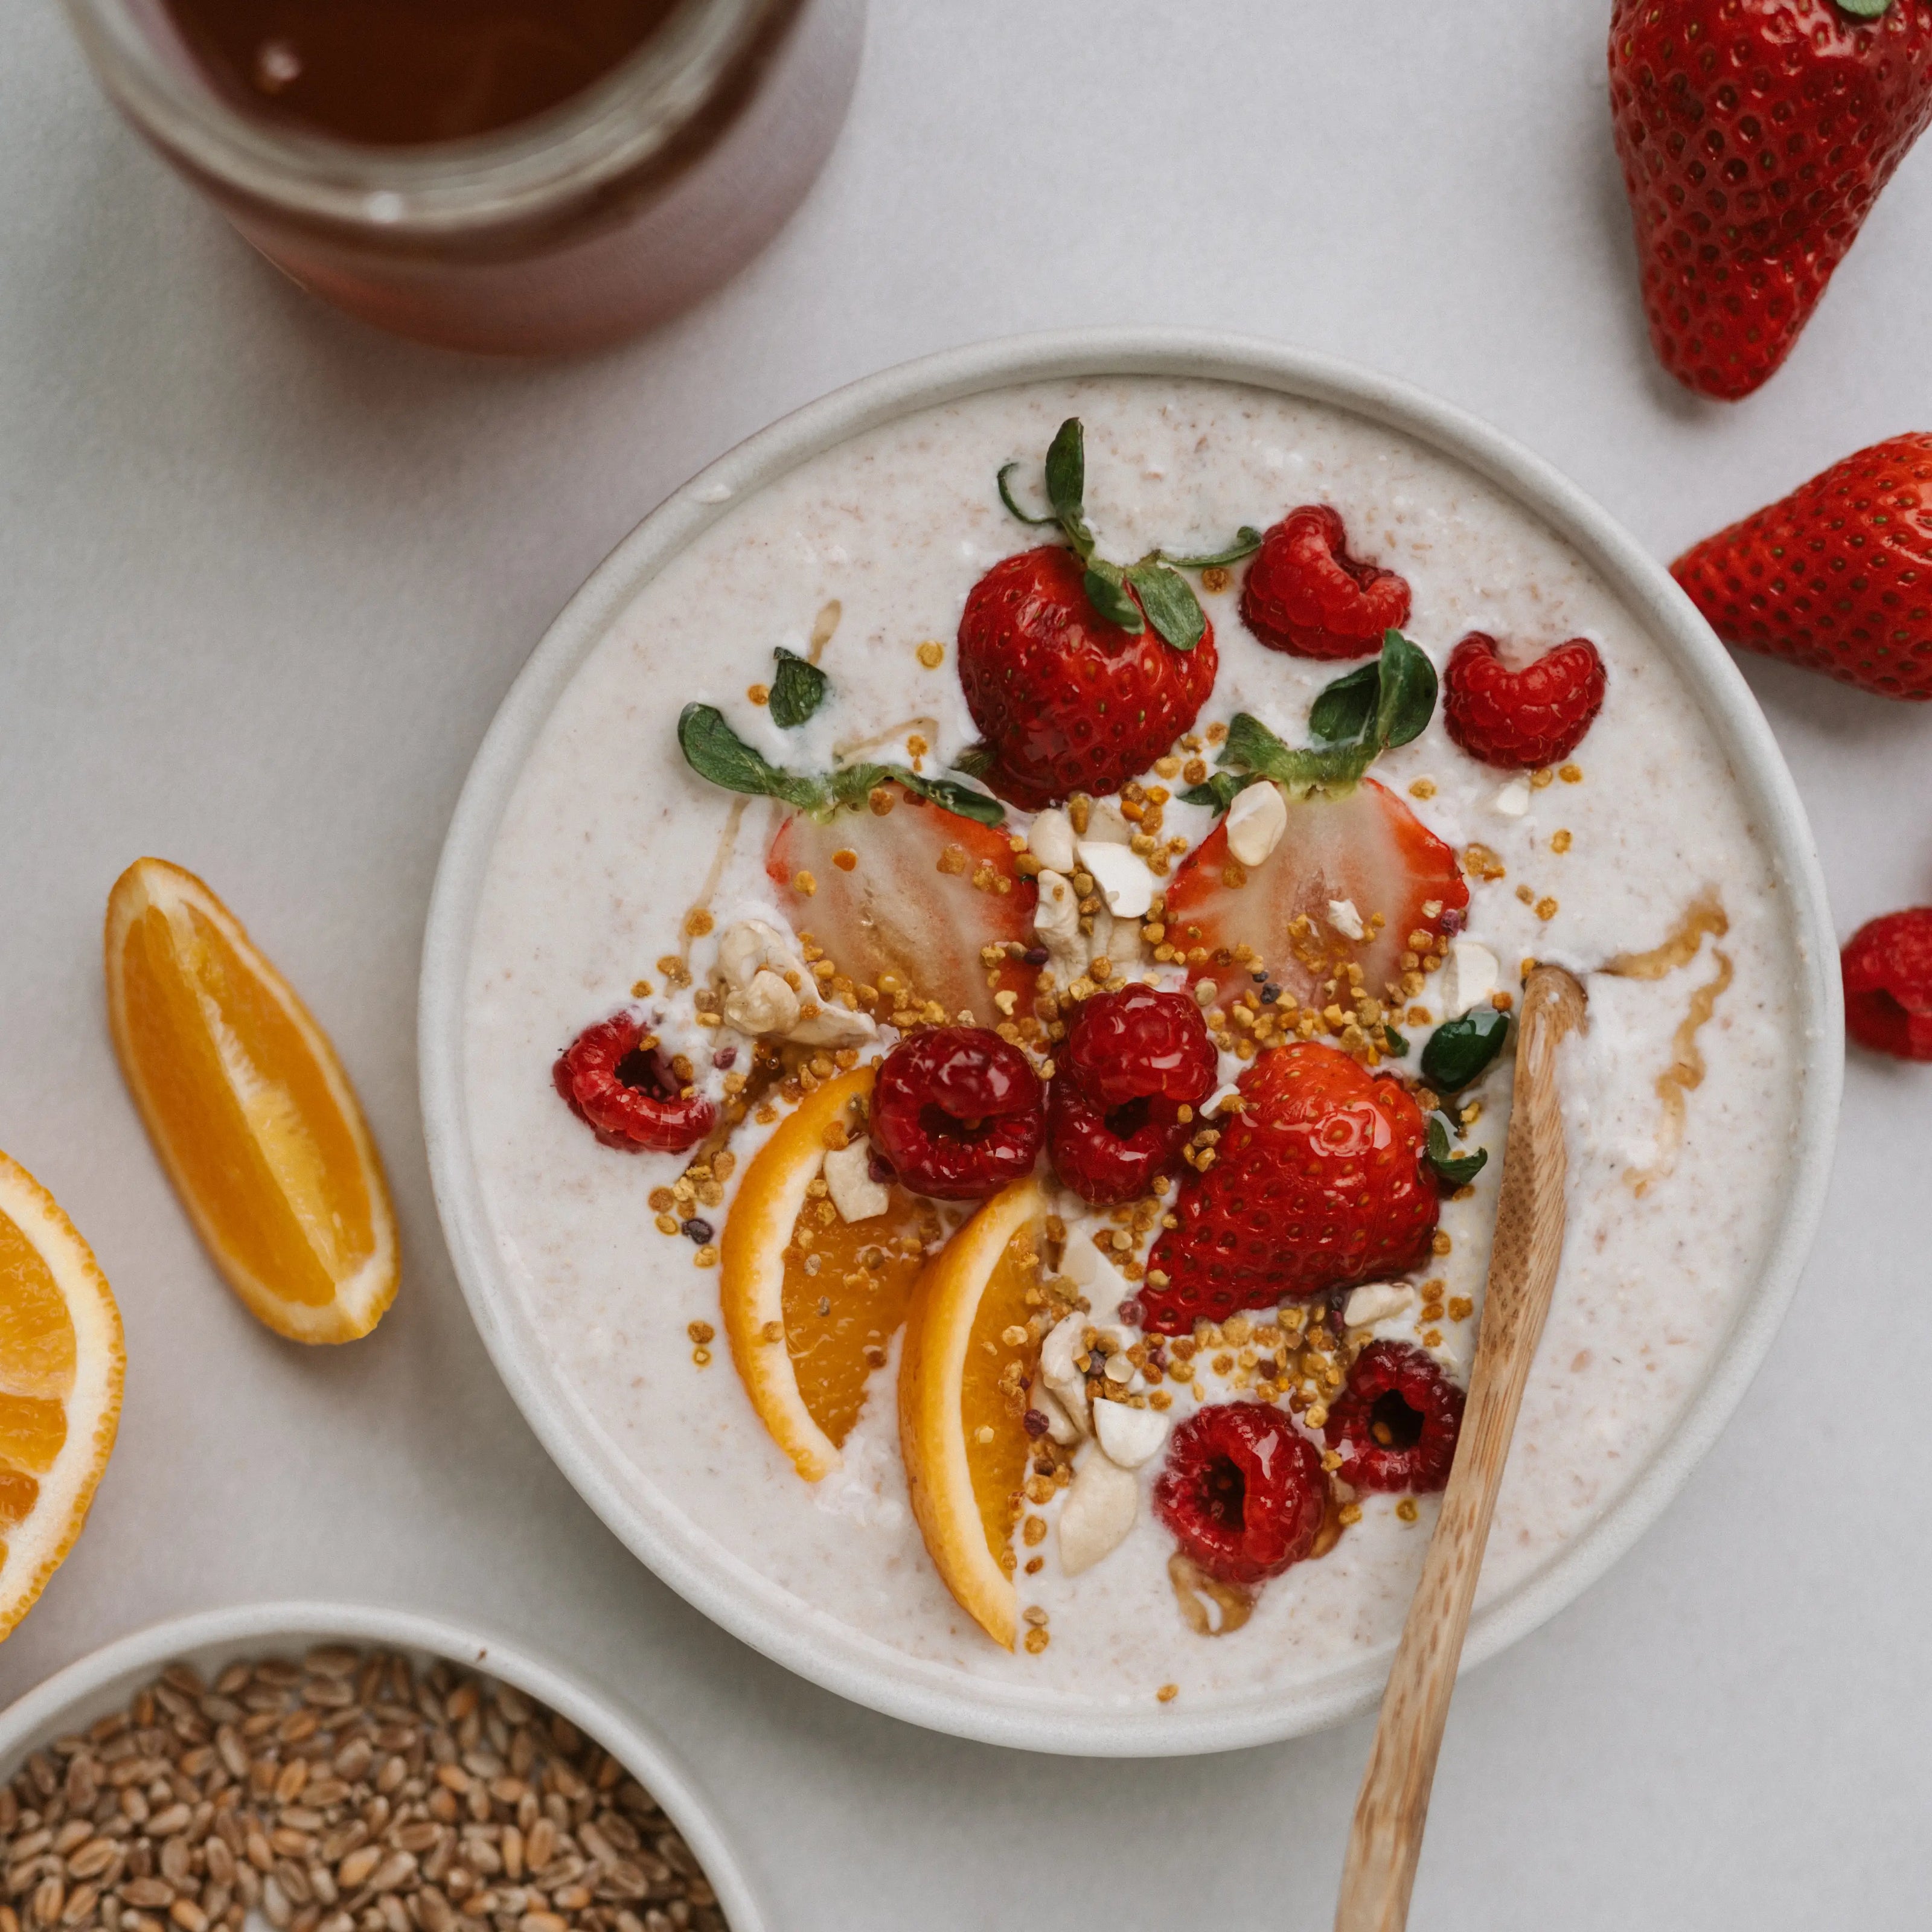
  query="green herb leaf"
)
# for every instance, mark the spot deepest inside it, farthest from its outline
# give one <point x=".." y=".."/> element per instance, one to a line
<point x="1107" y="591"/>
<point x="1458" y="1170"/>
<point x="1346" y="709"/>
<point x="714" y="751"/>
<point x="1247" y="540"/>
<point x="976" y="761"/>
<point x="1864" y="10"/>
<point x="1220" y="790"/>
<point x="1066" y="474"/>
<point x="1406" y="698"/>
<point x="797" y="690"/>
<point x="1252" y="745"/>
<point x="1007" y="497"/>
<point x="1171" y="607"/>
<point x="1397" y="1044"/>
<point x="1461" y="1050"/>
<point x="963" y="801"/>
<point x="1391" y="700"/>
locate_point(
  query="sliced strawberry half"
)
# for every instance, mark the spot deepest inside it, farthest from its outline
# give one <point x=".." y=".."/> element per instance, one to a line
<point x="913" y="891"/>
<point x="1363" y="845"/>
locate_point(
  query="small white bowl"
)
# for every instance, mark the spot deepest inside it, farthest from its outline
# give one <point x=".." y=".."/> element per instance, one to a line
<point x="700" y="1570"/>
<point x="72" y="1699"/>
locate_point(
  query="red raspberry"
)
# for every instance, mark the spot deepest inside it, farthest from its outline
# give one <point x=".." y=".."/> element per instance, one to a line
<point x="1887" y="968"/>
<point x="1518" y="719"/>
<point x="1131" y="1060"/>
<point x="1242" y="1490"/>
<point x="1318" y="1182"/>
<point x="1397" y="1423"/>
<point x="1307" y="595"/>
<point x="957" y="1112"/>
<point x="1066" y="701"/>
<point x="627" y="1092"/>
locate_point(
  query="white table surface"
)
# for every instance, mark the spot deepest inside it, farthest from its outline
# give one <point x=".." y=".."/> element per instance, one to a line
<point x="264" y="577"/>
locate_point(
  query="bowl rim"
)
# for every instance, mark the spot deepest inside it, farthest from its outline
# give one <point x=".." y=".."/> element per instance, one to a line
<point x="102" y="1679"/>
<point x="830" y="1654"/>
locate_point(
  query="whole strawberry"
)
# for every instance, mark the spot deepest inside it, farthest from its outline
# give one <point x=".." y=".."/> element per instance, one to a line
<point x="1836" y="577"/>
<point x="1755" y="135"/>
<point x="1079" y="672"/>
<point x="1320" y="1180"/>
<point x="1066" y="700"/>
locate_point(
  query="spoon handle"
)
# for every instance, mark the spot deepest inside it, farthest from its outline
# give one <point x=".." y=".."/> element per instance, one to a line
<point x="1393" y="1808"/>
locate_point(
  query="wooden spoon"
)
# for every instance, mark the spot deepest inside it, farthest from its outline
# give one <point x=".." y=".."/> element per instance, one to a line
<point x="1393" y="1806"/>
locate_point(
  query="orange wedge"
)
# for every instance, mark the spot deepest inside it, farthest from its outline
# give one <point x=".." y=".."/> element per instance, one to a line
<point x="249" y="1109"/>
<point x="61" y="1364"/>
<point x="963" y="1378"/>
<point x="811" y="1301"/>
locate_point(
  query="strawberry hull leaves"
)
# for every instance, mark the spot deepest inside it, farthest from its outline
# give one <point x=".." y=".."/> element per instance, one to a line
<point x="1132" y="595"/>
<point x="715" y="752"/>
<point x="1355" y="720"/>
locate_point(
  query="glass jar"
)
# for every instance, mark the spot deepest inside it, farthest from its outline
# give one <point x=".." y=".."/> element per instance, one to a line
<point x="564" y="232"/>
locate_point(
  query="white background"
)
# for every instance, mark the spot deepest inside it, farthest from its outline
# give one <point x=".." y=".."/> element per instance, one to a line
<point x="264" y="577"/>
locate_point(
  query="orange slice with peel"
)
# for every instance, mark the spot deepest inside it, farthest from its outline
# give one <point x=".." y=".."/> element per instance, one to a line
<point x="963" y="1378"/>
<point x="249" y="1109"/>
<point x="811" y="1301"/>
<point x="61" y="1364"/>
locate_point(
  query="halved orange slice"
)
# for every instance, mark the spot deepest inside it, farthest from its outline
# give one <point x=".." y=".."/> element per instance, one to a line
<point x="971" y="1350"/>
<point x="61" y="1364"/>
<point x="810" y="1300"/>
<point x="250" y="1110"/>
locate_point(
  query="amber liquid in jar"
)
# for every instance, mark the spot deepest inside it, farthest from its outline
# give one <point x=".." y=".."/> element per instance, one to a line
<point x="404" y="73"/>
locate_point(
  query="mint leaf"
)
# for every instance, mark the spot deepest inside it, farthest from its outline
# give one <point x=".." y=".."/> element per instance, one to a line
<point x="1458" y="1170"/>
<point x="1171" y="607"/>
<point x="1346" y="709"/>
<point x="1396" y="1044"/>
<point x="715" y="752"/>
<point x="1461" y="1050"/>
<point x="797" y="690"/>
<point x="1247" y="540"/>
<point x="1391" y="700"/>
<point x="1864" y="10"/>
<point x="1107" y="591"/>
<point x="1406" y="698"/>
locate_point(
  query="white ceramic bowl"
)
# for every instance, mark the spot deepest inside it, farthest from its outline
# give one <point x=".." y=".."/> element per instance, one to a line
<point x="669" y="1543"/>
<point x="74" y="1698"/>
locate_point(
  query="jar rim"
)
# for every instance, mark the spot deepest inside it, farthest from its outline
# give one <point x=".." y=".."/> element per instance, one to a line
<point x="618" y="125"/>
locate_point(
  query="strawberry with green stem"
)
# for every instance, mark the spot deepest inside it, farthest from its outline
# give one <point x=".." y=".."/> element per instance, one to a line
<point x="1080" y="672"/>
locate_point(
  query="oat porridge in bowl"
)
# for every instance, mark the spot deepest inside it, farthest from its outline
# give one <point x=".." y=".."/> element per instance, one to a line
<point x="964" y="1031"/>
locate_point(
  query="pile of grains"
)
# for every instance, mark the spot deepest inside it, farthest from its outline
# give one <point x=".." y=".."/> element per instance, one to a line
<point x="350" y="1792"/>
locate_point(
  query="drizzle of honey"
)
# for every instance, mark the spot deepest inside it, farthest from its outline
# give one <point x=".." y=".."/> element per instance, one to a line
<point x="1194" y="1590"/>
<point x="1686" y="1071"/>
<point x="1705" y="913"/>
